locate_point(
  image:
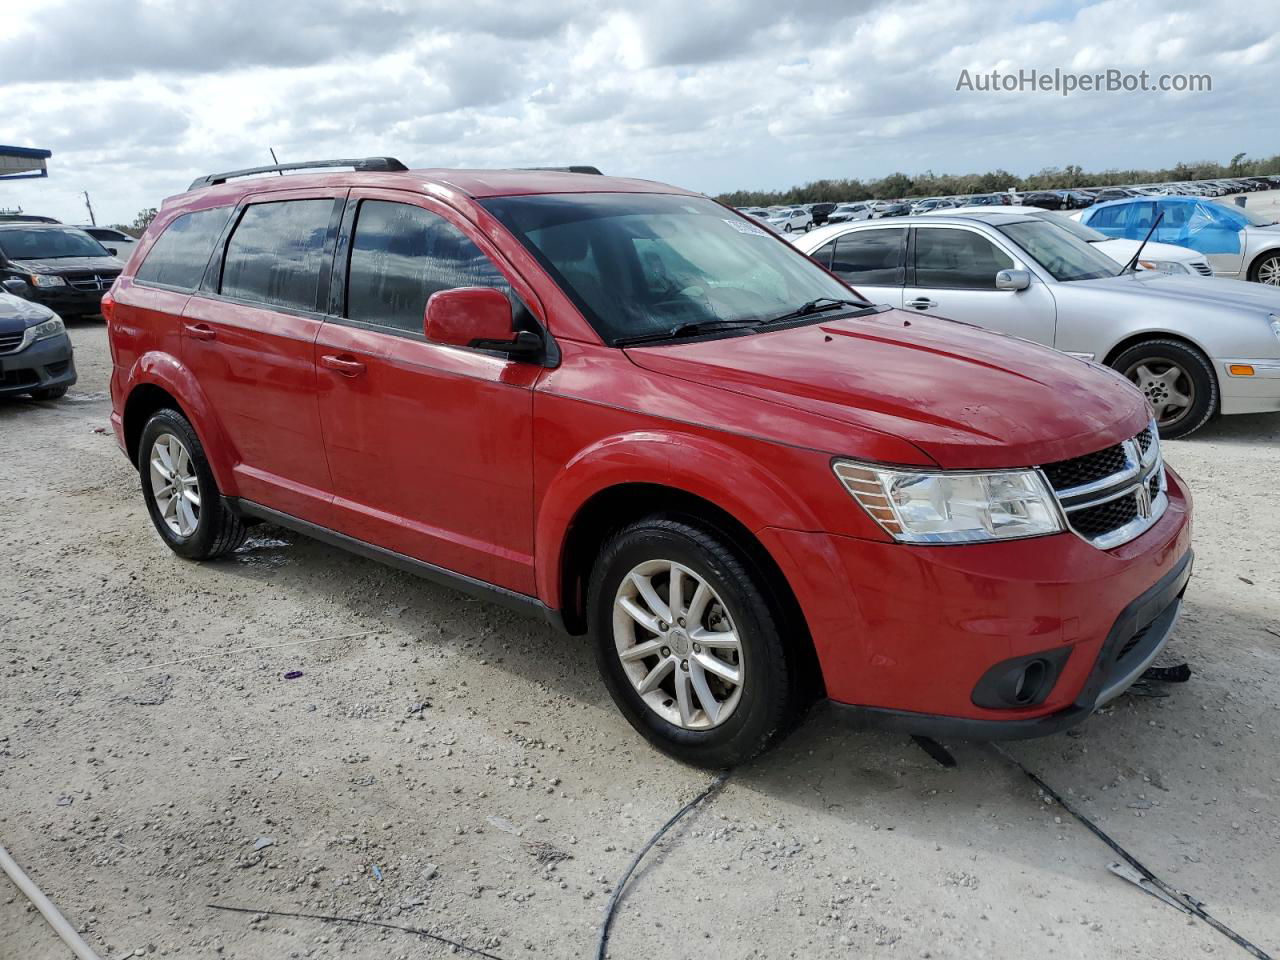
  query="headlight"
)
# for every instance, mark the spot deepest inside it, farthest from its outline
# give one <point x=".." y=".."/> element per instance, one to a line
<point x="1165" y="266"/>
<point x="42" y="331"/>
<point x="952" y="507"/>
<point x="45" y="280"/>
<point x="1275" y="325"/>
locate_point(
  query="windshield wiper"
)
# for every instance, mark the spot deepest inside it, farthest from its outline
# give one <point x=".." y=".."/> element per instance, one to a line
<point x="691" y="329"/>
<point x="820" y="305"/>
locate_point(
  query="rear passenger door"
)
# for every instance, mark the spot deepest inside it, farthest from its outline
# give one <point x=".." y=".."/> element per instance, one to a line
<point x="871" y="260"/>
<point x="248" y="338"/>
<point x="430" y="445"/>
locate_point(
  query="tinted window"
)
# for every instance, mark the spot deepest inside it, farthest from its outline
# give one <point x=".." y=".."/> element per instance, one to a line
<point x="871" y="256"/>
<point x="401" y="255"/>
<point x="824" y="253"/>
<point x="959" y="258"/>
<point x="179" y="257"/>
<point x="1109" y="216"/>
<point x="277" y="252"/>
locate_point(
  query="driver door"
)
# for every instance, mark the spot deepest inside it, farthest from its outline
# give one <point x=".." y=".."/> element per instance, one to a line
<point x="952" y="273"/>
<point x="871" y="260"/>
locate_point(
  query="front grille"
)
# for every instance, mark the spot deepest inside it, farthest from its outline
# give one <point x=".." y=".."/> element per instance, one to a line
<point x="9" y="342"/>
<point x="1090" y="468"/>
<point x="1203" y="268"/>
<point x="19" y="378"/>
<point x="92" y="282"/>
<point x="1112" y="495"/>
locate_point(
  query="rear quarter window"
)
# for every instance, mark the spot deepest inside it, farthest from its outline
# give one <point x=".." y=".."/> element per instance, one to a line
<point x="179" y="256"/>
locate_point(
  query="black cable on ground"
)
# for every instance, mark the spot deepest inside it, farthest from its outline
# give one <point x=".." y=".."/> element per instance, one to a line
<point x="1192" y="904"/>
<point x="475" y="951"/>
<point x="611" y="908"/>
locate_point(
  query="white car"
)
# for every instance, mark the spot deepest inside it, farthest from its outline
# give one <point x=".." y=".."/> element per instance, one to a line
<point x="790" y="218"/>
<point x="120" y="244"/>
<point x="1195" y="346"/>
<point x="1162" y="257"/>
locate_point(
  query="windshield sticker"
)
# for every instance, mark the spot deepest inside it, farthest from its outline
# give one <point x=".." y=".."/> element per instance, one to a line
<point x="748" y="228"/>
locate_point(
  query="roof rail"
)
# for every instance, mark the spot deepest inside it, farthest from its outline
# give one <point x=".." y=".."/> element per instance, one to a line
<point x="365" y="164"/>
<point x="595" y="171"/>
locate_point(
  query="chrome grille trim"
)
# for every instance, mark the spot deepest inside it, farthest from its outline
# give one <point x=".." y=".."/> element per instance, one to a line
<point x="1143" y="475"/>
<point x="12" y="342"/>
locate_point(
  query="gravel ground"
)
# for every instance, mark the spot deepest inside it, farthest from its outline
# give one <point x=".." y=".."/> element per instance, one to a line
<point x="444" y="764"/>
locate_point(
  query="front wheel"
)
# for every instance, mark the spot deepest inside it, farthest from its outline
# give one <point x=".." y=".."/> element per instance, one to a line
<point x="49" y="393"/>
<point x="180" y="492"/>
<point x="688" y="644"/>
<point x="1267" y="270"/>
<point x="787" y="227"/>
<point x="1177" y="381"/>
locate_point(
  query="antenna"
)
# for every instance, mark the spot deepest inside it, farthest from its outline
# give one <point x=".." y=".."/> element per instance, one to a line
<point x="274" y="159"/>
<point x="92" y="220"/>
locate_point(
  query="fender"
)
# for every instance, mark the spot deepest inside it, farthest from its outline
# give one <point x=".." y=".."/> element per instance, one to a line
<point x="686" y="462"/>
<point x="164" y="370"/>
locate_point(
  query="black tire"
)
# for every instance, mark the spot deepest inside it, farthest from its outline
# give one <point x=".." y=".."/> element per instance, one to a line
<point x="1196" y="380"/>
<point x="1266" y="269"/>
<point x="50" y="393"/>
<point x="786" y="228"/>
<point x="771" y="692"/>
<point x="218" y="529"/>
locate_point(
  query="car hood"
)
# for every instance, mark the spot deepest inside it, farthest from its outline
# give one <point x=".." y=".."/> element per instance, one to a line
<point x="1219" y="292"/>
<point x="18" y="314"/>
<point x="69" y="265"/>
<point x="1122" y="250"/>
<point x="966" y="397"/>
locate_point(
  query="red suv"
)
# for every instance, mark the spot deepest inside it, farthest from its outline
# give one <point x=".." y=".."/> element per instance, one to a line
<point x="628" y="409"/>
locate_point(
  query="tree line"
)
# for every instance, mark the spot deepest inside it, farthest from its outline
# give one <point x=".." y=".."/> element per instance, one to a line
<point x="930" y="184"/>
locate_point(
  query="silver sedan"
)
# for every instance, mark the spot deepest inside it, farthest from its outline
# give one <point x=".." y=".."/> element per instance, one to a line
<point x="1195" y="346"/>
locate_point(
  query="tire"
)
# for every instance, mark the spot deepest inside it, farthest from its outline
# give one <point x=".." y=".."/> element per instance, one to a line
<point x="1193" y="380"/>
<point x="198" y="530"/>
<point x="1266" y="269"/>
<point x="50" y="393"/>
<point x="755" y="712"/>
<point x="786" y="227"/>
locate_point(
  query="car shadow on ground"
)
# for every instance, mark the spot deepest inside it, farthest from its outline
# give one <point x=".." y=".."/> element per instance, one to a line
<point x="1246" y="429"/>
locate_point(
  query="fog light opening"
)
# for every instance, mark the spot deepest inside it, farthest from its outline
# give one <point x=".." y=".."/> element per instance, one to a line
<point x="1030" y="680"/>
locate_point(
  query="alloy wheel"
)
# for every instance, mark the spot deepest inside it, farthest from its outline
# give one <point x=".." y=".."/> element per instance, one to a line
<point x="1269" y="272"/>
<point x="1167" y="386"/>
<point x="174" y="485"/>
<point x="678" y="645"/>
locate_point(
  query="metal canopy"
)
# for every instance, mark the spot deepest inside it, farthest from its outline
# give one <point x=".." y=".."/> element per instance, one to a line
<point x="23" y="163"/>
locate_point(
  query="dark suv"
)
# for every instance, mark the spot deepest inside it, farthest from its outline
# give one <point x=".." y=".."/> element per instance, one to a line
<point x="64" y="268"/>
<point x="623" y="407"/>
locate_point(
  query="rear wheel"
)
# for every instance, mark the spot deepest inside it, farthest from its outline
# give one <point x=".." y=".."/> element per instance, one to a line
<point x="1177" y="381"/>
<point x="688" y="645"/>
<point x="1266" y="270"/>
<point x="180" y="492"/>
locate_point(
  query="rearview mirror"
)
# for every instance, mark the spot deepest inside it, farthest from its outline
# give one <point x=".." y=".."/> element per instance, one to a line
<point x="15" y="286"/>
<point x="1013" y="280"/>
<point x="478" y="317"/>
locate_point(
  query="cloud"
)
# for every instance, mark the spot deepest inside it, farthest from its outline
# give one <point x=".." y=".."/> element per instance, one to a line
<point x="137" y="97"/>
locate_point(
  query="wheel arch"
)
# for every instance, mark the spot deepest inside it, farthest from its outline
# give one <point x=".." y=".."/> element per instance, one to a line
<point x="1133" y="339"/>
<point x="612" y="508"/>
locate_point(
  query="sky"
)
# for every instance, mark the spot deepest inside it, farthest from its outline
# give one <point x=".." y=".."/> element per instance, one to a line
<point x="137" y="97"/>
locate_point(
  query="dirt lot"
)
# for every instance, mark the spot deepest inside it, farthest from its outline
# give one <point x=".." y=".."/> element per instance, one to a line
<point x="450" y="766"/>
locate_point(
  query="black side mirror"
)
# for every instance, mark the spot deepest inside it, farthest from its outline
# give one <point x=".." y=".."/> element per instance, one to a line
<point x="113" y="251"/>
<point x="16" y="287"/>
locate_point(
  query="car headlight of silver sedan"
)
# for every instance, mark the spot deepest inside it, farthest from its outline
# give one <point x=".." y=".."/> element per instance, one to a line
<point x="1165" y="266"/>
<point x="928" y="506"/>
<point x="43" y="331"/>
<point x="1275" y="325"/>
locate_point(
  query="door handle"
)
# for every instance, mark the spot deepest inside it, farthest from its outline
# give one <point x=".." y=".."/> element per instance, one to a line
<point x="922" y="303"/>
<point x="201" y="331"/>
<point x="344" y="365"/>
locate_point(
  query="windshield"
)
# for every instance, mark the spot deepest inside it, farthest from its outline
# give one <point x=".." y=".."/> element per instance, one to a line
<point x="1253" y="219"/>
<point x="1063" y="254"/>
<point x="47" y="244"/>
<point x="639" y="264"/>
<point x="1087" y="234"/>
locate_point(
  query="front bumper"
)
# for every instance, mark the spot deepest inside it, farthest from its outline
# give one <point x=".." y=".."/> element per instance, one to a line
<point x="905" y="635"/>
<point x="1255" y="392"/>
<point x="67" y="301"/>
<point x="43" y="365"/>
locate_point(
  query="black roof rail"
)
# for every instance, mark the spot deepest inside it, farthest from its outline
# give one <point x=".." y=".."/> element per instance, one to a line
<point x="595" y="171"/>
<point x="365" y="164"/>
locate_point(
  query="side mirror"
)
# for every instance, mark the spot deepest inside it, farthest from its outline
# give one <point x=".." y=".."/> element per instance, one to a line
<point x="1013" y="280"/>
<point x="478" y="317"/>
<point x="16" y="287"/>
<point x="113" y="251"/>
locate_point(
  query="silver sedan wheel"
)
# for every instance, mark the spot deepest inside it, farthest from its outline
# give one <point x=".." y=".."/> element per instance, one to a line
<point x="1167" y="386"/>
<point x="1269" y="272"/>
<point x="174" y="485"/>
<point x="678" y="645"/>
